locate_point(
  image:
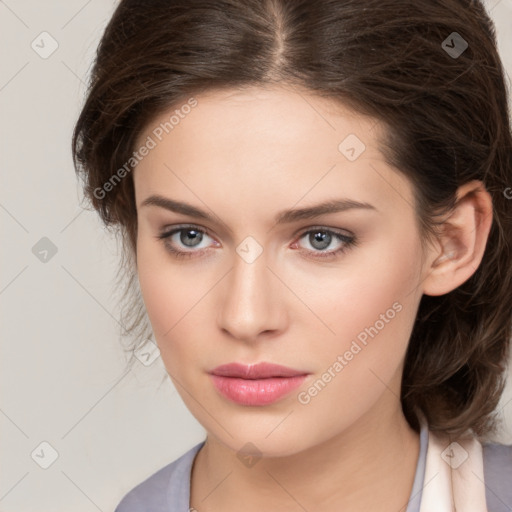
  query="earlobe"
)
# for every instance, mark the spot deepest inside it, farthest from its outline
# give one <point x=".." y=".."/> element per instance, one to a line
<point x="461" y="242"/>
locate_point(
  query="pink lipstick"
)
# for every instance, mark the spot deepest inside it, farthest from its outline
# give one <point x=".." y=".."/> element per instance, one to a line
<point x="256" y="385"/>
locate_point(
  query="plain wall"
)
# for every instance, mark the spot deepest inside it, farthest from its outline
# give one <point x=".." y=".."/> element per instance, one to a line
<point x="63" y="377"/>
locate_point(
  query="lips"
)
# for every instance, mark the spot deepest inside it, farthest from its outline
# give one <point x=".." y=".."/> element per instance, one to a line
<point x="256" y="371"/>
<point x="256" y="385"/>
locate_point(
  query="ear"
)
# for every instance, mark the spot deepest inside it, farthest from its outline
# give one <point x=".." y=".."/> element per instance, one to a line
<point x="460" y="246"/>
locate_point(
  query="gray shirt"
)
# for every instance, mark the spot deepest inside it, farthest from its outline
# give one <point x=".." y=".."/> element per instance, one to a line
<point x="168" y="490"/>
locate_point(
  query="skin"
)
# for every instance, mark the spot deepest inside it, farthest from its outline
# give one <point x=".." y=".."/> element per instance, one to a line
<point x="244" y="156"/>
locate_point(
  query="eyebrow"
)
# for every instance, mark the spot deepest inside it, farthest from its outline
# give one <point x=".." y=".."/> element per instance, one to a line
<point x="286" y="216"/>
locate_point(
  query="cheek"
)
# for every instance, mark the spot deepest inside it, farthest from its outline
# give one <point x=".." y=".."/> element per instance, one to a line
<point x="158" y="294"/>
<point x="172" y="294"/>
<point x="372" y="299"/>
<point x="371" y="310"/>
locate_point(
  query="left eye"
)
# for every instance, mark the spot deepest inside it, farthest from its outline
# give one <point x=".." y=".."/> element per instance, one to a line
<point x="321" y="239"/>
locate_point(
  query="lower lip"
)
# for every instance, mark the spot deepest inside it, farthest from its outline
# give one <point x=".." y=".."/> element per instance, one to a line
<point x="257" y="391"/>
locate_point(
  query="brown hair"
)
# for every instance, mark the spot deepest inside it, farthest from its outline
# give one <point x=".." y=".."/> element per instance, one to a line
<point x="446" y="118"/>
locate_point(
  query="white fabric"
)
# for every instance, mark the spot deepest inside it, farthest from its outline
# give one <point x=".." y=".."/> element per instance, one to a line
<point x="454" y="476"/>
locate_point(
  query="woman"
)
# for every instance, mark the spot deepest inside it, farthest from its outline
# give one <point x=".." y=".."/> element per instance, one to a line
<point x="314" y="201"/>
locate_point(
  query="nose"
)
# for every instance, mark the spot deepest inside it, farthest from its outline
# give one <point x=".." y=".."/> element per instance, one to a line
<point x="251" y="304"/>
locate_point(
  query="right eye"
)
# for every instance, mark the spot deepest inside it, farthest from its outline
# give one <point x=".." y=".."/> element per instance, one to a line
<point x="181" y="238"/>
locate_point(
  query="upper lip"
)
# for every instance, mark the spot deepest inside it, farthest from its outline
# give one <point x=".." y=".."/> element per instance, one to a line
<point x="255" y="371"/>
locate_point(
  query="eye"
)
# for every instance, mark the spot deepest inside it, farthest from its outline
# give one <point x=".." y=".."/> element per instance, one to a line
<point x="320" y="239"/>
<point x="186" y="241"/>
<point x="191" y="241"/>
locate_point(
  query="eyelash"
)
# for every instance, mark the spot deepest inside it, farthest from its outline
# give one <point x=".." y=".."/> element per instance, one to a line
<point x="348" y="242"/>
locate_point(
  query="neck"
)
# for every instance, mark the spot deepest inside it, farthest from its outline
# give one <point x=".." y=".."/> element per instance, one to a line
<point x="370" y="466"/>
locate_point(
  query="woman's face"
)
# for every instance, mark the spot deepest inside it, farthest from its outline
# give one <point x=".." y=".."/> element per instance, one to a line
<point x="260" y="277"/>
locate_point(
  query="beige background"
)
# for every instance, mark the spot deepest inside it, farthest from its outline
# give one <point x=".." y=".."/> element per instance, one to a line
<point x="63" y="378"/>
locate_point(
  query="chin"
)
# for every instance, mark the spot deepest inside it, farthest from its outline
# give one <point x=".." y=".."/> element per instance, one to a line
<point x="257" y="442"/>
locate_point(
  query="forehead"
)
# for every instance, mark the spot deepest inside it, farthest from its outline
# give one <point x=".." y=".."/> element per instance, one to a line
<point x="252" y="113"/>
<point x="273" y="143"/>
